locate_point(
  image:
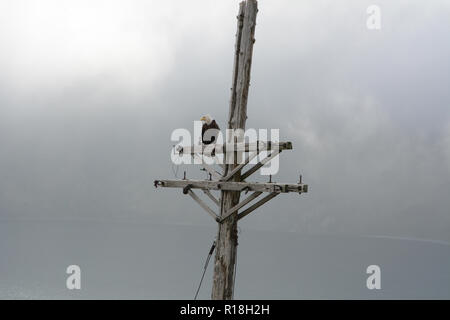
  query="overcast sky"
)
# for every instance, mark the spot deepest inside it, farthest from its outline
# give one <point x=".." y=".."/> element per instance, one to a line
<point x="90" y="92"/>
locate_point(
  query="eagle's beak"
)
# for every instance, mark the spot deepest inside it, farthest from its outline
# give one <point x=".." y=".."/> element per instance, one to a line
<point x="203" y="118"/>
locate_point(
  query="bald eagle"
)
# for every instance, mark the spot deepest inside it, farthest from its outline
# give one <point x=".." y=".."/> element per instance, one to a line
<point x="210" y="130"/>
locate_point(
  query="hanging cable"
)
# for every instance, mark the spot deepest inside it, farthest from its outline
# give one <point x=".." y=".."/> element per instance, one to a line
<point x="205" y="267"/>
<point x="175" y="172"/>
<point x="175" y="167"/>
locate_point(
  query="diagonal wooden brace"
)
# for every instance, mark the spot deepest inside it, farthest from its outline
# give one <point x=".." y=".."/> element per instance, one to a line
<point x="211" y="196"/>
<point x="204" y="206"/>
<point x="250" y="198"/>
<point x="257" y="204"/>
<point x="239" y="167"/>
<point x="208" y="168"/>
<point x="257" y="166"/>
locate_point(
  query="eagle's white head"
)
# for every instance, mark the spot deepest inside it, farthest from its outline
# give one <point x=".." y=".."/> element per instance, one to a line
<point x="207" y="119"/>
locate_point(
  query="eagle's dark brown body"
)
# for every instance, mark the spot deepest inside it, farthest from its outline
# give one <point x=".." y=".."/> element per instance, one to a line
<point x="210" y="132"/>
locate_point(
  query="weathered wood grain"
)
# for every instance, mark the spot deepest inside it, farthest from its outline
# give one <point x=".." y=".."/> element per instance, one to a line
<point x="225" y="258"/>
<point x="232" y="147"/>
<point x="236" y="185"/>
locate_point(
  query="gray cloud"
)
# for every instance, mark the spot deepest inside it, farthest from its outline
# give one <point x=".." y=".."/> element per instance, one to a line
<point x="91" y="91"/>
<point x="87" y="129"/>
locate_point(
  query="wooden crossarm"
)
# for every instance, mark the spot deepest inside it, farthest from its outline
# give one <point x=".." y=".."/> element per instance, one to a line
<point x="235" y="147"/>
<point x="235" y="186"/>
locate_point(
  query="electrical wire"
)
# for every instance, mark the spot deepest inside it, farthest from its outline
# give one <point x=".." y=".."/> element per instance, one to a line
<point x="205" y="267"/>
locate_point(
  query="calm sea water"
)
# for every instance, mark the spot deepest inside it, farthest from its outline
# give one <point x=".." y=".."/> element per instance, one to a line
<point x="147" y="261"/>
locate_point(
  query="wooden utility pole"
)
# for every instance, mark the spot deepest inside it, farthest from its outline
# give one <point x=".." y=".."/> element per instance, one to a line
<point x="223" y="281"/>
<point x="231" y="182"/>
